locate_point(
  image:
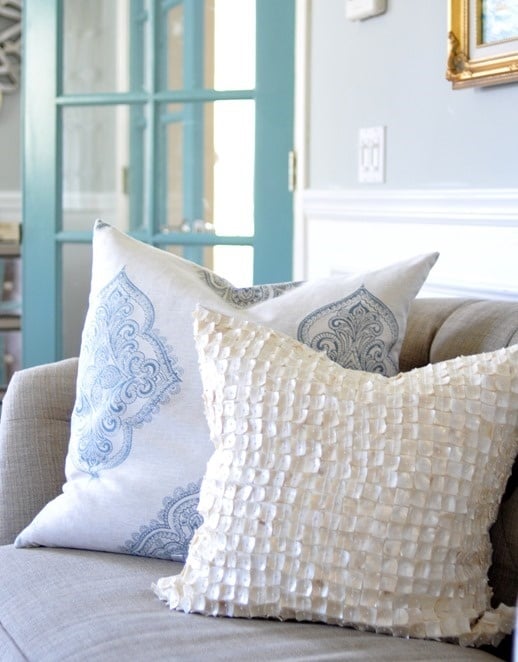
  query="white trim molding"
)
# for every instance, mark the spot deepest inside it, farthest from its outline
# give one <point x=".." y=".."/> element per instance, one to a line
<point x="459" y="206"/>
<point x="475" y="231"/>
<point x="11" y="206"/>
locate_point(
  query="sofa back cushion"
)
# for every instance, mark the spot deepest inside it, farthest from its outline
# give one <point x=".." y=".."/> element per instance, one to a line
<point x="34" y="434"/>
<point x="441" y="329"/>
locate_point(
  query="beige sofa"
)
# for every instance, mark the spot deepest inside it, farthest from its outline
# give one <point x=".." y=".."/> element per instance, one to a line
<point x="63" y="604"/>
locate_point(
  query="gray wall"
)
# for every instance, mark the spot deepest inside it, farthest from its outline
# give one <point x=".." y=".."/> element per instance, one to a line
<point x="390" y="70"/>
<point x="10" y="130"/>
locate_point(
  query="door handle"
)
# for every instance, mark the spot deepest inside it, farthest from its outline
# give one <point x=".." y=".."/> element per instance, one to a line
<point x="199" y="226"/>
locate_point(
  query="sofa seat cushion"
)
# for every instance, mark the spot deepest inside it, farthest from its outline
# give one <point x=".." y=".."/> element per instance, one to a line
<point x="79" y="605"/>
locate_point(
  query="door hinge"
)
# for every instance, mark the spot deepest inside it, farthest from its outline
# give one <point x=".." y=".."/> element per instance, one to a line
<point x="292" y="170"/>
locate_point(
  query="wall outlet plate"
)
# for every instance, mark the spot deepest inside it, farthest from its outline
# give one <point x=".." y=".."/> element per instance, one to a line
<point x="358" y="10"/>
<point x="371" y="155"/>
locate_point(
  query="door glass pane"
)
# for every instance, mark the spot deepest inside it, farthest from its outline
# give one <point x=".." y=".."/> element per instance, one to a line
<point x="95" y="46"/>
<point x="175" y="40"/>
<point x="99" y="145"/>
<point x="10" y="356"/>
<point x="77" y="267"/>
<point x="209" y="174"/>
<point x="234" y="149"/>
<point x="11" y="309"/>
<point x="171" y="124"/>
<point x="234" y="45"/>
<point x="235" y="263"/>
<point x="203" y="40"/>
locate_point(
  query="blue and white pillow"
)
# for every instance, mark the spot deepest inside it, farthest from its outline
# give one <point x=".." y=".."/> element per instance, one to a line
<point x="139" y="438"/>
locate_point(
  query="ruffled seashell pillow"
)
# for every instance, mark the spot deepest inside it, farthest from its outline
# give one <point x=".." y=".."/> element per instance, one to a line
<point x="347" y="497"/>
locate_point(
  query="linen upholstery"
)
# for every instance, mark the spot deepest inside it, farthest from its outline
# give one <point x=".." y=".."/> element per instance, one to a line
<point x="440" y="329"/>
<point x="98" y="606"/>
<point x="496" y="326"/>
<point x="425" y="319"/>
<point x="37" y="426"/>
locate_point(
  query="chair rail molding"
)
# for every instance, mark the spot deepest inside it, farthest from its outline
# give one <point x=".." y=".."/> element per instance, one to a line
<point x="475" y="231"/>
<point x="417" y="205"/>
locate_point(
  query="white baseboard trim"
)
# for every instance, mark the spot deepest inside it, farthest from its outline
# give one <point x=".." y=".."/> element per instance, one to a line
<point x="475" y="230"/>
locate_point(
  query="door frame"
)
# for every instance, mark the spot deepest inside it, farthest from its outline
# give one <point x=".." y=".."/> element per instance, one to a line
<point x="44" y="236"/>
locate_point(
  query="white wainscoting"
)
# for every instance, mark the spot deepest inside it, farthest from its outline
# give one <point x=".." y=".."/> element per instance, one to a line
<point x="475" y="231"/>
<point x="10" y="207"/>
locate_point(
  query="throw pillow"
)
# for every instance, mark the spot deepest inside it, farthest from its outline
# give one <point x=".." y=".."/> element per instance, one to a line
<point x="346" y="497"/>
<point x="139" y="439"/>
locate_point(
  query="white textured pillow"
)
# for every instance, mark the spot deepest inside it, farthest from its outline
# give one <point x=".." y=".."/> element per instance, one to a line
<point x="140" y="442"/>
<point x="346" y="497"/>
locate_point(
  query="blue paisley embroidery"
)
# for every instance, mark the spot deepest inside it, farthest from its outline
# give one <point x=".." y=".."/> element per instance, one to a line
<point x="168" y="537"/>
<point x="243" y="297"/>
<point x="127" y="371"/>
<point x="357" y="332"/>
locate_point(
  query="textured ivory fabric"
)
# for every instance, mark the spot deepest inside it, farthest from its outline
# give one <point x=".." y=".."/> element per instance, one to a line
<point x="139" y="439"/>
<point x="346" y="497"/>
<point x="77" y="606"/>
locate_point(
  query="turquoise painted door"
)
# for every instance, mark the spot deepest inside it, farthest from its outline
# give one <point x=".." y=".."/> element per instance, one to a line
<point x="170" y="119"/>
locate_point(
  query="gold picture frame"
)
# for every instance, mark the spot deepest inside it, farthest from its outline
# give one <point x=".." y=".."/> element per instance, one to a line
<point x="482" y="43"/>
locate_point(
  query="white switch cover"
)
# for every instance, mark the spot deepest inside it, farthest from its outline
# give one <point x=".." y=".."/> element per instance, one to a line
<point x="357" y="10"/>
<point x="371" y="155"/>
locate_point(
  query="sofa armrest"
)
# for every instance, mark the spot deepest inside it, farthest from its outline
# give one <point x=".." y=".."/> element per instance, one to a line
<point x="34" y="435"/>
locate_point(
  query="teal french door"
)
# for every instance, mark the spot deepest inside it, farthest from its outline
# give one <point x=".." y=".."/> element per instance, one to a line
<point x="170" y="119"/>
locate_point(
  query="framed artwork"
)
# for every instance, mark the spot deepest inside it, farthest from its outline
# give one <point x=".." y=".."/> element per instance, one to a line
<point x="483" y="42"/>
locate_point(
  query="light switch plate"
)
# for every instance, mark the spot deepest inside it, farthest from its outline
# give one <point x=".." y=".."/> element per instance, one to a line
<point x="357" y="10"/>
<point x="371" y="155"/>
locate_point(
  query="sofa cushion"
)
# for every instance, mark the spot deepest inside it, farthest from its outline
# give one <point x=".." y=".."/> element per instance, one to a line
<point x="496" y="326"/>
<point x="439" y="329"/>
<point x="346" y="497"/>
<point x="139" y="440"/>
<point x="34" y="436"/>
<point x="73" y="605"/>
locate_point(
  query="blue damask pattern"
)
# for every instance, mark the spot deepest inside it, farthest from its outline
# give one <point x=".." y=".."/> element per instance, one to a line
<point x="169" y="536"/>
<point x="243" y="297"/>
<point x="126" y="372"/>
<point x="357" y="332"/>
